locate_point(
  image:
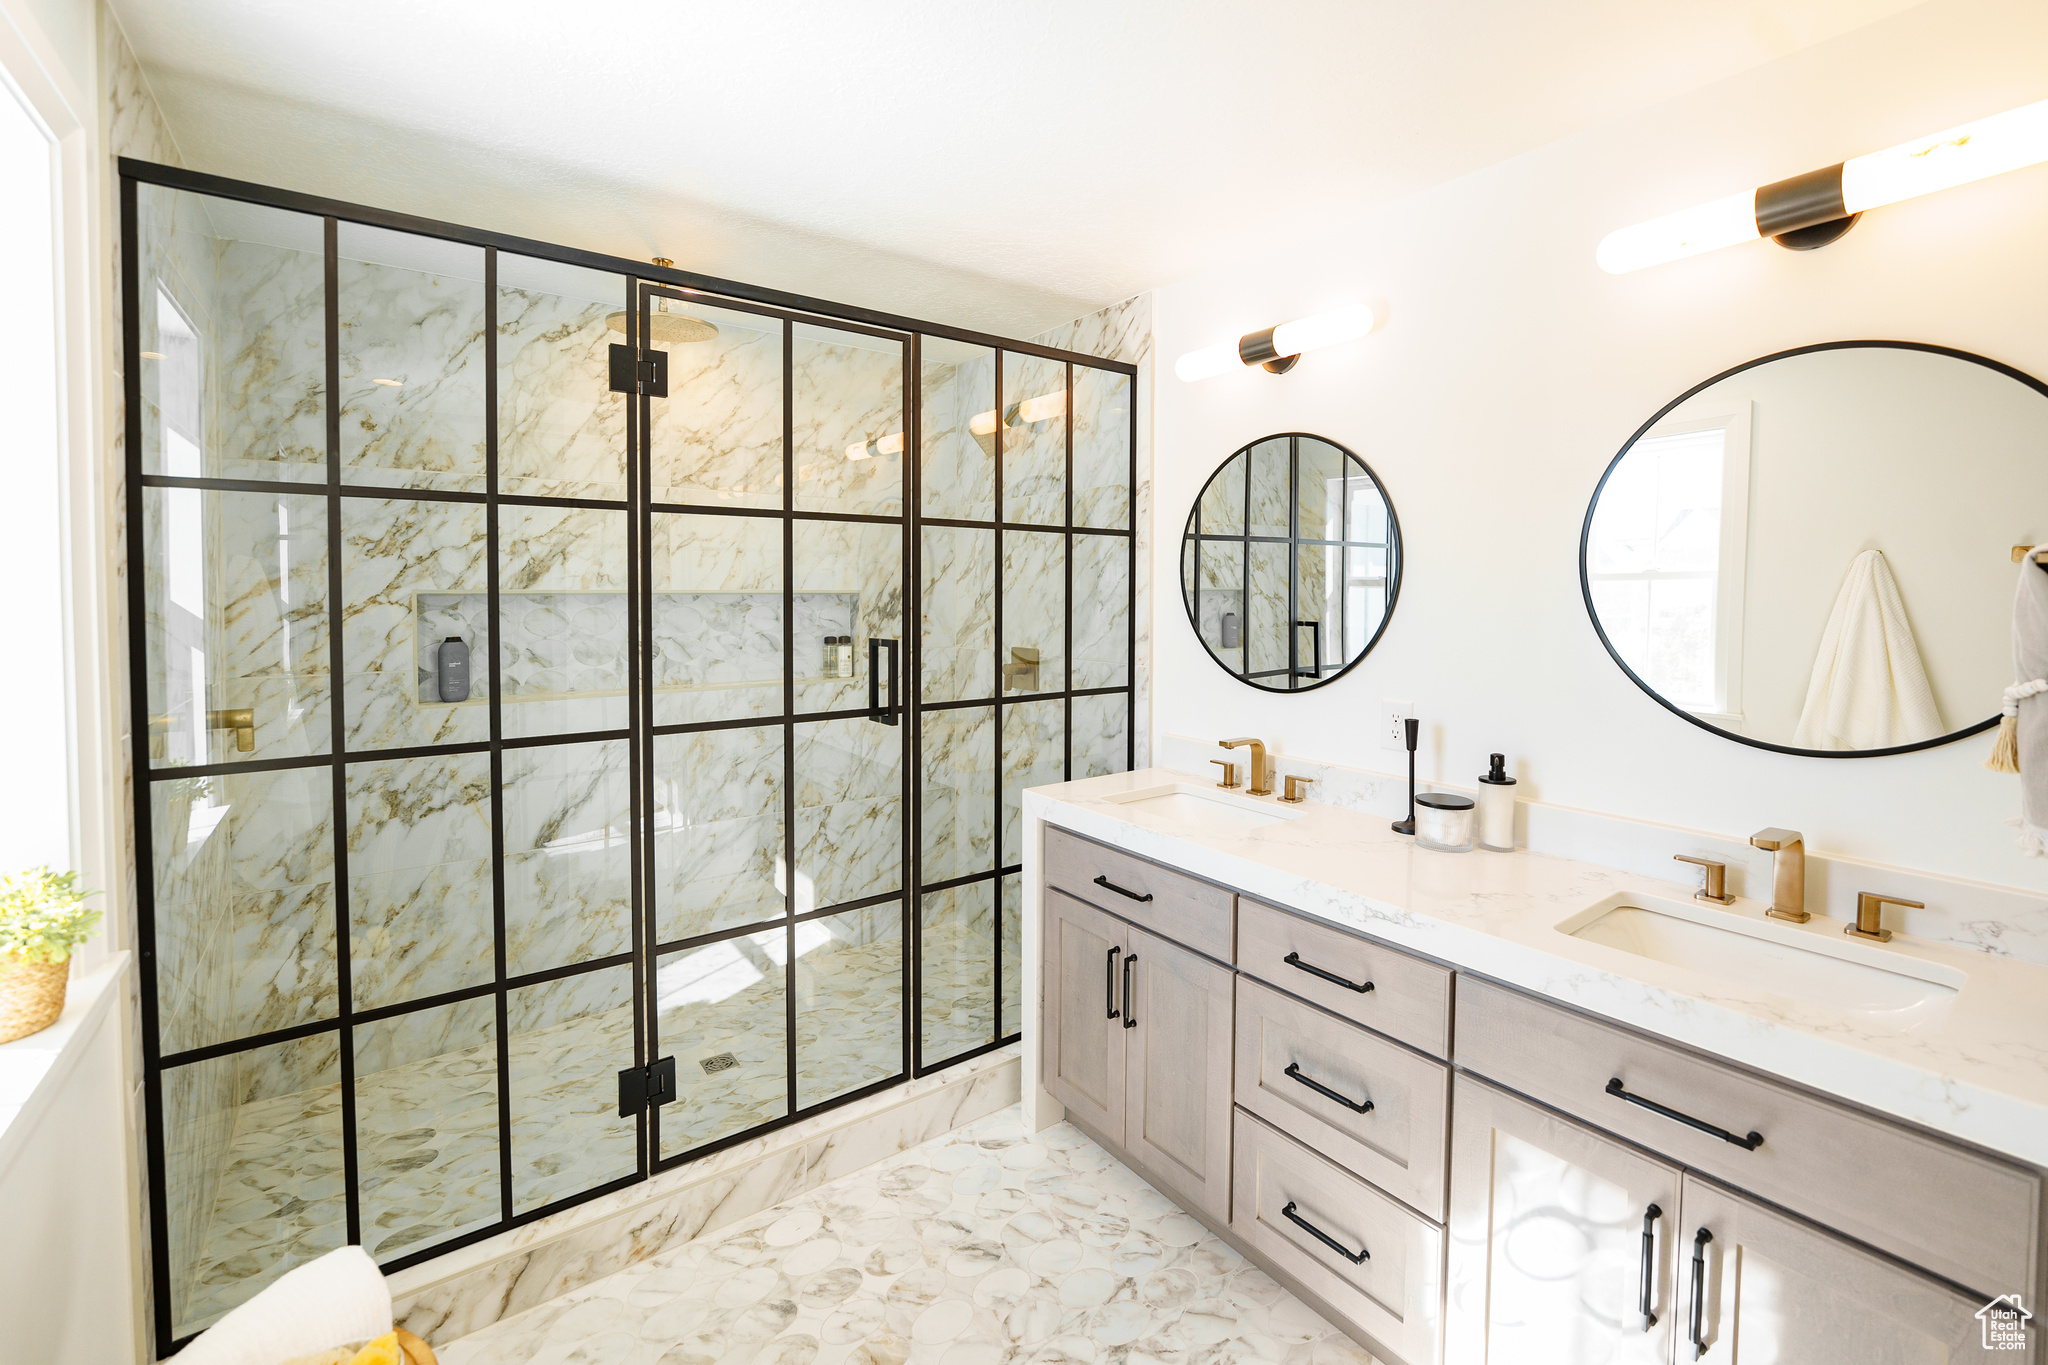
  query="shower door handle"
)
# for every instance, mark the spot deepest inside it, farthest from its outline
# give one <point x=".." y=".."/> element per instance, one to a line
<point x="885" y="715"/>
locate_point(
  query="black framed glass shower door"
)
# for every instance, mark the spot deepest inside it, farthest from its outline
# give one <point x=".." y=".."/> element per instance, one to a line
<point x="772" y="448"/>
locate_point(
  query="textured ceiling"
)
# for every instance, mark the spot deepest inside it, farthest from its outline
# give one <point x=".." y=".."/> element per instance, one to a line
<point x="999" y="165"/>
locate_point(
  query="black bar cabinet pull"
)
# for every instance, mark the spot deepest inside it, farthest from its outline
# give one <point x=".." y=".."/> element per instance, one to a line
<point x="1360" y="1258"/>
<point x="1107" y="885"/>
<point x="1650" y="1217"/>
<point x="876" y="710"/>
<point x="1699" y="1292"/>
<point x="1294" y="960"/>
<point x="1293" y="1071"/>
<point x="1748" y="1143"/>
<point x="1130" y="1019"/>
<point x="1109" y="982"/>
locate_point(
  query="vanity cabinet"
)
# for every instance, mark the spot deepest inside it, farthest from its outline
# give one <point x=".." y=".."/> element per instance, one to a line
<point x="1755" y="1284"/>
<point x="1559" y="1235"/>
<point x="1137" y="1046"/>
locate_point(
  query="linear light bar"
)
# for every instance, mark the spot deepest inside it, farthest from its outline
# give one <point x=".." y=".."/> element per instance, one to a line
<point x="1278" y="348"/>
<point x="1814" y="209"/>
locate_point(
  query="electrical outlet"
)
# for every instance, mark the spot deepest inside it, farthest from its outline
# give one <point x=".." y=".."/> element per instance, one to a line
<point x="1394" y="717"/>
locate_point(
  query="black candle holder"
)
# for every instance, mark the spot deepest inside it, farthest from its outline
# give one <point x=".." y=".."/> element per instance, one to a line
<point x="1414" y="728"/>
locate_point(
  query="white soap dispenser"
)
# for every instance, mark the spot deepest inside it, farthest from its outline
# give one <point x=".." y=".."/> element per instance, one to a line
<point x="1497" y="806"/>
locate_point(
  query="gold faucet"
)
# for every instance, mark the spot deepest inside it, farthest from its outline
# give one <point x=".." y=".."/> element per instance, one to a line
<point x="1715" y="888"/>
<point x="1229" y="773"/>
<point x="1295" y="782"/>
<point x="240" y="719"/>
<point x="1788" y="872"/>
<point x="1021" y="673"/>
<point x="1262" y="773"/>
<point x="1869" y="905"/>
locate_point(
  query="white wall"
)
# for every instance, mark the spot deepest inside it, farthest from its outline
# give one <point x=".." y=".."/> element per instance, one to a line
<point x="1511" y="369"/>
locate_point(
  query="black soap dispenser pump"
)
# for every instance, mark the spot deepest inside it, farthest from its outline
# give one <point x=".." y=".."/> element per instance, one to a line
<point x="1414" y="729"/>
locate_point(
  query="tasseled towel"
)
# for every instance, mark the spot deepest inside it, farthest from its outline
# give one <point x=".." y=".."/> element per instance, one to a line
<point x="2022" y="745"/>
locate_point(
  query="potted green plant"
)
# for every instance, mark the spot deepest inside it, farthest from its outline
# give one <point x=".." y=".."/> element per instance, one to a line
<point x="43" y="918"/>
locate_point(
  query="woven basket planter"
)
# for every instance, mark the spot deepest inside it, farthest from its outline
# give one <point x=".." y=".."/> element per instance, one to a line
<point x="31" y="996"/>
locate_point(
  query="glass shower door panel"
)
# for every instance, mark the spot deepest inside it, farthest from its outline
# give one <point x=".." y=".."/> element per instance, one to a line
<point x="414" y="574"/>
<point x="235" y="626"/>
<point x="849" y="812"/>
<point x="722" y="1012"/>
<point x="561" y="429"/>
<point x="957" y="640"/>
<point x="956" y="946"/>
<point x="1034" y="754"/>
<point x="568" y="1039"/>
<point x="847" y="429"/>
<point x="231" y="319"/>
<point x="1101" y="614"/>
<point x="568" y="855"/>
<point x="1101" y="734"/>
<point x="957" y="416"/>
<point x="1034" y="611"/>
<point x="427" y="1158"/>
<point x="715" y="652"/>
<point x="412" y="360"/>
<point x="957" y="831"/>
<point x="562" y="608"/>
<point x="719" y="860"/>
<point x="848" y="585"/>
<point x="253" y="1175"/>
<point x="849" y="1001"/>
<point x="1102" y="449"/>
<point x="716" y="440"/>
<point x="1034" y="440"/>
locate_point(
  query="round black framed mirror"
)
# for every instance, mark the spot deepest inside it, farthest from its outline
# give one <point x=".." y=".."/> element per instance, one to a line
<point x="1813" y="552"/>
<point x="1291" y="562"/>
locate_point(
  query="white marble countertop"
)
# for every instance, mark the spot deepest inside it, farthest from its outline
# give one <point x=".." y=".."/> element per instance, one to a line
<point x="1978" y="1072"/>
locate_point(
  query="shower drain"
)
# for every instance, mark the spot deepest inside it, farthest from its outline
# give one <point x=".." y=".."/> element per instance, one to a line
<point x="723" y="1061"/>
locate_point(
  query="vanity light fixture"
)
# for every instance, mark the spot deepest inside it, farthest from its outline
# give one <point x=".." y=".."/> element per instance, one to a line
<point x="1278" y="348"/>
<point x="1813" y="209"/>
<point x="891" y="445"/>
<point x="390" y="383"/>
<point x="1030" y="411"/>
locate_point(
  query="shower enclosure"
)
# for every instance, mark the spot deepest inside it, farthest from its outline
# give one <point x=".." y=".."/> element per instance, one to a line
<point x="772" y="609"/>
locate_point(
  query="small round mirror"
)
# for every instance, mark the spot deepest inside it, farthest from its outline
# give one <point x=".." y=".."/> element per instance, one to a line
<point x="1814" y="552"/>
<point x="1291" y="562"/>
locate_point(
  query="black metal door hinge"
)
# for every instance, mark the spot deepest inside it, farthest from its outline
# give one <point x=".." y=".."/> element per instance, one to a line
<point x="641" y="1087"/>
<point x="649" y="376"/>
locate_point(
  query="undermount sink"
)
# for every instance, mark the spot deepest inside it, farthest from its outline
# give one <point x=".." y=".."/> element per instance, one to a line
<point x="1210" y="808"/>
<point x="1814" y="964"/>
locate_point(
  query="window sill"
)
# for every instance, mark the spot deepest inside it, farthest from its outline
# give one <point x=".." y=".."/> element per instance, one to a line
<point x="33" y="1069"/>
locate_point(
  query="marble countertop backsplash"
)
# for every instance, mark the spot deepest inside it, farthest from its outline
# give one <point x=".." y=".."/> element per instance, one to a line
<point x="1980" y="1072"/>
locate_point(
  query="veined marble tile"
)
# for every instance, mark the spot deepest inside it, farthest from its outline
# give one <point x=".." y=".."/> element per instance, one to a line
<point x="569" y="1040"/>
<point x="717" y="440"/>
<point x="1035" y="603"/>
<point x="568" y="852"/>
<point x="1034" y="753"/>
<point x="1266" y="624"/>
<point x="1270" y="488"/>
<point x="1034" y="451"/>
<point x="847" y="391"/>
<point x="1101" y="612"/>
<point x="420" y="332"/>
<point x="561" y="430"/>
<point x="957" y="570"/>
<point x="957" y="949"/>
<point x="1102" y="448"/>
<point x="268" y="387"/>
<point x="393" y="549"/>
<point x="725" y="999"/>
<point x="958" y="471"/>
<point x="419" y="844"/>
<point x="849" y="1002"/>
<point x="849" y="811"/>
<point x="959" y="792"/>
<point x="1100" y="727"/>
<point x="989" y="1244"/>
<point x="1221" y="509"/>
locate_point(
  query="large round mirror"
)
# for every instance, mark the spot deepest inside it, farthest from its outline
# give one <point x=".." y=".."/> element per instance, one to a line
<point x="1291" y="562"/>
<point x="1814" y="552"/>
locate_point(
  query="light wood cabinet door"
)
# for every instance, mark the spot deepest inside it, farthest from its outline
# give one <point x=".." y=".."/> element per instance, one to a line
<point x="1774" y="1290"/>
<point x="1081" y="1040"/>
<point x="1548" y="1259"/>
<point x="1177" y="1071"/>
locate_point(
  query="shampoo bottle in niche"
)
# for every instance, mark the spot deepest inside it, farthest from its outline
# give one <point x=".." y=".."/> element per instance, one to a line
<point x="1497" y="806"/>
<point x="451" y="661"/>
<point x="846" y="659"/>
<point x="831" y="665"/>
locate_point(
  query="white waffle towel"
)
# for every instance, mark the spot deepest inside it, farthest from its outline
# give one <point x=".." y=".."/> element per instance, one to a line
<point x="338" y="1299"/>
<point x="2027" y="701"/>
<point x="1869" y="690"/>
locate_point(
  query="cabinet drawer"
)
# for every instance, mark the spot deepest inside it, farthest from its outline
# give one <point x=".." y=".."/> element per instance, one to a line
<point x="1970" y="1218"/>
<point x="1170" y="904"/>
<point x="1410" y="999"/>
<point x="1289" y="1053"/>
<point x="1282" y="1190"/>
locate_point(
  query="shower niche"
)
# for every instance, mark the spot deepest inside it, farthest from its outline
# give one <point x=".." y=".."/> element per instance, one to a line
<point x="737" y="778"/>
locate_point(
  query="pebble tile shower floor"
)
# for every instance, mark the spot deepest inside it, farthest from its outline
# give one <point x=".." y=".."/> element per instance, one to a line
<point x="989" y="1246"/>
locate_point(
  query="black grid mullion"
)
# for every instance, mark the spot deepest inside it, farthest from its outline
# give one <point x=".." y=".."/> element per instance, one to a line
<point x="642" y="855"/>
<point x="337" y="606"/>
<point x="789" y="713"/>
<point x="996" y="771"/>
<point x="913" y="698"/>
<point x="496" y="701"/>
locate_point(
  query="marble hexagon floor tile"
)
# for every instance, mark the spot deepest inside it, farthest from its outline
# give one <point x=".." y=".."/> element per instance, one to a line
<point x="989" y="1246"/>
